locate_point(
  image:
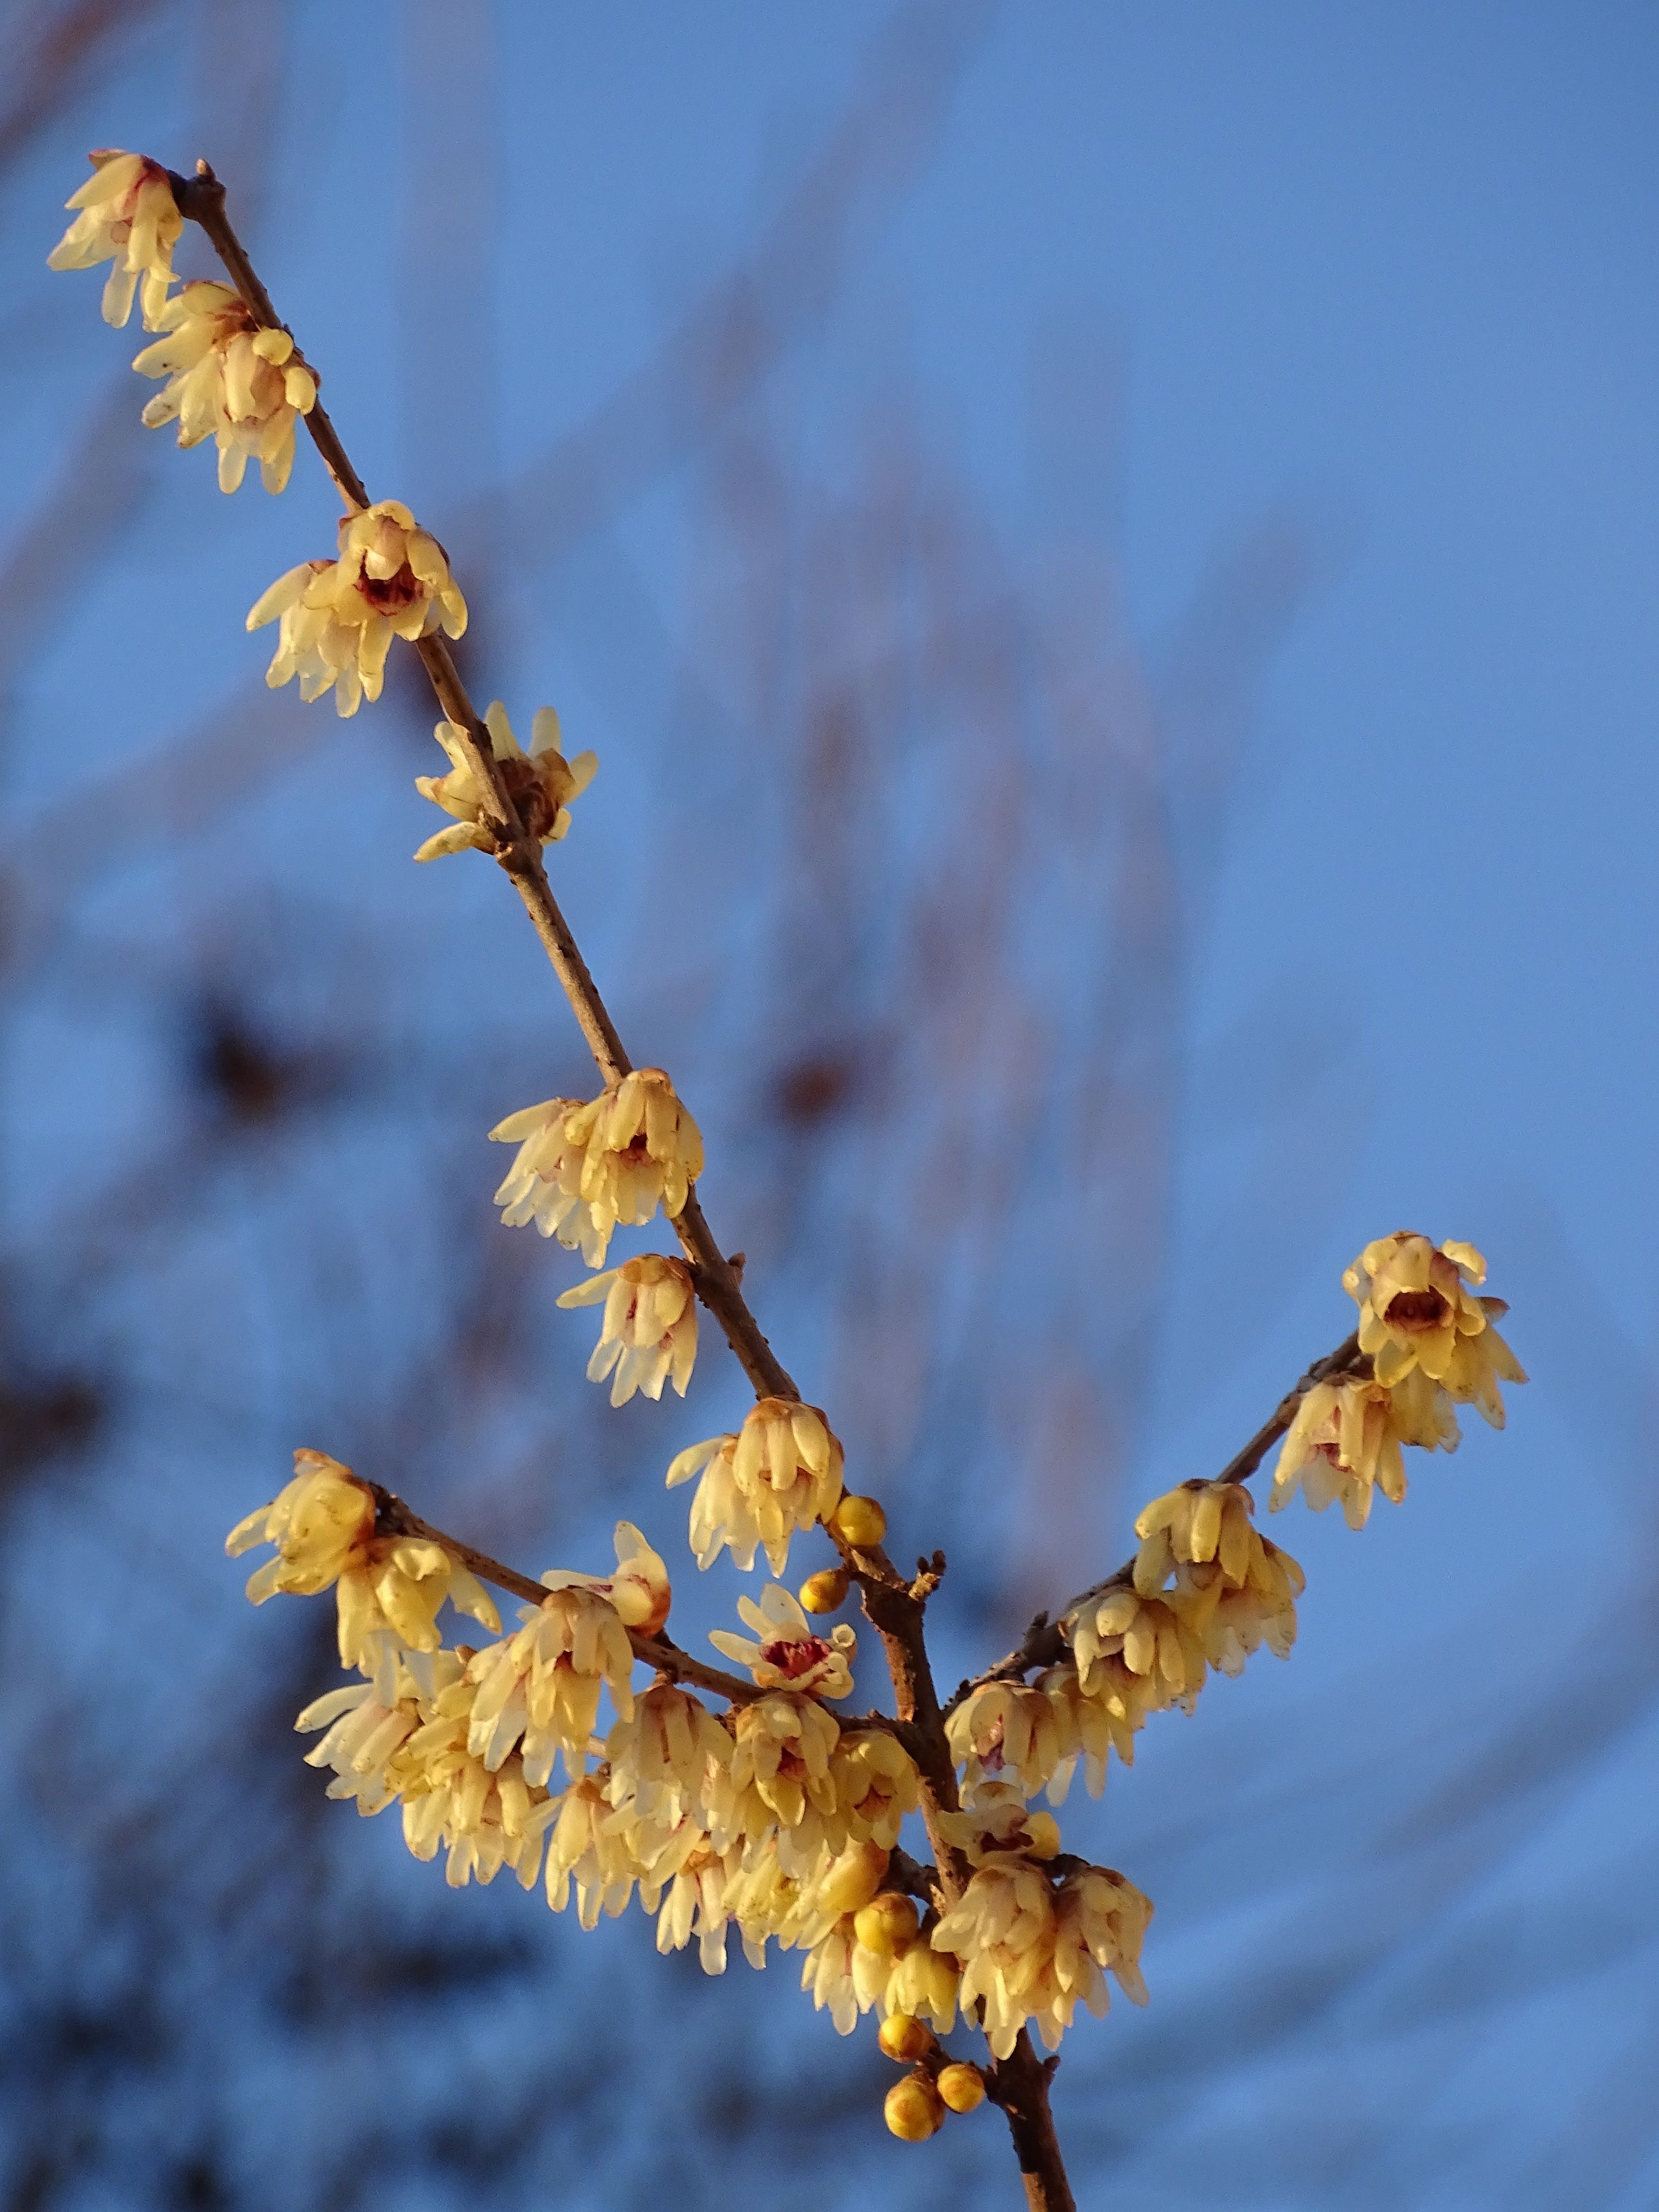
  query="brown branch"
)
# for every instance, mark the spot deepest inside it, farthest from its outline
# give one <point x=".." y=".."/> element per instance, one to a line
<point x="1044" y="1641"/>
<point x="895" y="1607"/>
<point x="1019" y="2084"/>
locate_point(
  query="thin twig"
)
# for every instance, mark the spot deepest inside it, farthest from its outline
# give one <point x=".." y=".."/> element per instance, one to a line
<point x="1044" y="1641"/>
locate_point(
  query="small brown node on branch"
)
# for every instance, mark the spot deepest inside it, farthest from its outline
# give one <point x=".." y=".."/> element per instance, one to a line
<point x="737" y="1261"/>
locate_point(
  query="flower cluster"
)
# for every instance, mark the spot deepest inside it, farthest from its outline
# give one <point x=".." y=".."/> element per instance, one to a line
<point x="648" y="1331"/>
<point x="541" y="784"/>
<point x="230" y="380"/>
<point x="388" y="1589"/>
<point x="337" y="619"/>
<point x="1433" y="1346"/>
<point x="583" y="1167"/>
<point x="127" y="216"/>
<point x="1036" y="1932"/>
<point x="781" y="1472"/>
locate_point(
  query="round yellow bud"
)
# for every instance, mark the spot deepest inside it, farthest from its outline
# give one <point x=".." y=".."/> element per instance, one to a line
<point x="1043" y="1830"/>
<point x="887" y="1924"/>
<point x="913" y="2109"/>
<point x="960" y="2087"/>
<point x="860" y="1522"/>
<point x="905" y="2038"/>
<point x="854" y="1878"/>
<point x="824" y="1591"/>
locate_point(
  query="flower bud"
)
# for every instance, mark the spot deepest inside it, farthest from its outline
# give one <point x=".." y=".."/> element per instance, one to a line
<point x="904" y="2038"/>
<point x="854" y="1878"/>
<point x="824" y="1591"/>
<point x="887" y="1924"/>
<point x="912" y="2109"/>
<point x="960" y="2087"/>
<point x="860" y="1522"/>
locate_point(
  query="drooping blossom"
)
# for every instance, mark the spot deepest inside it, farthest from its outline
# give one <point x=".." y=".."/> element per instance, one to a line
<point x="229" y="378"/>
<point x="337" y="619"/>
<point x="541" y="784"/>
<point x="583" y="1166"/>
<point x="127" y="215"/>
<point x="648" y="1332"/>
<point x="780" y="1472"/>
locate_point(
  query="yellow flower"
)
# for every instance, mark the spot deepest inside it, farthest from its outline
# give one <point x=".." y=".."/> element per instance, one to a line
<point x="363" y="1736"/>
<point x="588" y="1848"/>
<point x="541" y="784"/>
<point x="1095" y="1723"/>
<point x="1102" y="1921"/>
<point x="485" y="1817"/>
<point x="1346" y="1440"/>
<point x="1148" y="1634"/>
<point x="1233" y="1619"/>
<point x="1194" y="1523"/>
<point x="337" y="618"/>
<point x="1413" y="1304"/>
<point x="1031" y="1947"/>
<point x="875" y="1784"/>
<point x="780" y="1472"/>
<point x="787" y="1654"/>
<point x="648" y="1334"/>
<point x="1007" y="1725"/>
<point x="639" y="1588"/>
<point x="924" y="1983"/>
<point x="779" y="1785"/>
<point x="538" y="1689"/>
<point x="388" y="1589"/>
<point x="843" y="1976"/>
<point x="659" y="1756"/>
<point x="229" y="379"/>
<point x="993" y="1821"/>
<point x="694" y="1904"/>
<point x="128" y="215"/>
<point x="582" y="1169"/>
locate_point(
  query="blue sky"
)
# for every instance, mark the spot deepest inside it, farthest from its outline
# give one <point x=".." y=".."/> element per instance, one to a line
<point x="1191" y="298"/>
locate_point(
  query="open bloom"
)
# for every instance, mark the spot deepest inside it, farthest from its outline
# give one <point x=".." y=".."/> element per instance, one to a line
<point x="388" y="1589"/>
<point x="230" y="380"/>
<point x="1192" y="1524"/>
<point x="362" y="1736"/>
<point x="1008" y="1727"/>
<point x="337" y="618"/>
<point x="1232" y="1620"/>
<point x="875" y="1785"/>
<point x="779" y="1785"/>
<point x="540" y="783"/>
<point x="127" y="216"/>
<point x="638" y="1588"/>
<point x="781" y="1472"/>
<point x="485" y="1817"/>
<point x="584" y="1166"/>
<point x="1345" y="1443"/>
<point x="648" y="1332"/>
<point x="1149" y="1636"/>
<point x="1030" y="1949"/>
<point x="588" y="1849"/>
<point x="538" y="1689"/>
<point x="659" y="1757"/>
<point x="788" y="1653"/>
<point x="1098" y="1720"/>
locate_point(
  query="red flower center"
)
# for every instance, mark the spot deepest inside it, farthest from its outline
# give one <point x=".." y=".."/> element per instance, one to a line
<point x="1417" y="1310"/>
<point x="390" y="595"/>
